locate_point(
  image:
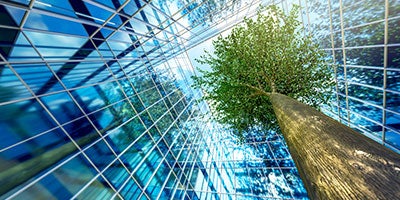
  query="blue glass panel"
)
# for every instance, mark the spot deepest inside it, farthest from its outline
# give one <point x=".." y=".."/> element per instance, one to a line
<point x="15" y="47"/>
<point x="155" y="185"/>
<point x="392" y="138"/>
<point x="28" y="157"/>
<point x="146" y="170"/>
<point x="392" y="80"/>
<point x="82" y="132"/>
<point x="96" y="97"/>
<point x="60" y="7"/>
<point x="22" y="121"/>
<point x="38" y="77"/>
<point x="13" y="17"/>
<point x="366" y="126"/>
<point x="294" y="181"/>
<point x="116" y="174"/>
<point x="131" y="190"/>
<point x="49" y="23"/>
<point x="112" y="116"/>
<point x="158" y="110"/>
<point x="393" y="121"/>
<point x="35" y="147"/>
<point x="53" y="46"/>
<point x="125" y="135"/>
<point x="98" y="14"/>
<point x="279" y="150"/>
<point x="155" y="133"/>
<point x="392" y="101"/>
<point x="100" y="154"/>
<point x="78" y="74"/>
<point x="62" y="107"/>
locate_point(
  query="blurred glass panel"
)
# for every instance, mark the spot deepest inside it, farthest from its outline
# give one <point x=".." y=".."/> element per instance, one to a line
<point x="33" y="157"/>
<point x="318" y="13"/>
<point x="63" y="182"/>
<point x="96" y="97"/>
<point x="392" y="138"/>
<point x="393" y="121"/>
<point x="75" y="74"/>
<point x="116" y="174"/>
<point x="372" y="77"/>
<point x="365" y="57"/>
<point x="105" y="118"/>
<point x="60" y="7"/>
<point x="371" y="34"/>
<point x="155" y="185"/>
<point x="122" y="137"/>
<point x="361" y="12"/>
<point x="295" y="183"/>
<point x="39" y="78"/>
<point x="370" y="95"/>
<point x="131" y="190"/>
<point x="392" y="101"/>
<point x="100" y="154"/>
<point x="49" y="23"/>
<point x="392" y="80"/>
<point x="10" y="86"/>
<point x="366" y="126"/>
<point x="97" y="14"/>
<point x="53" y="46"/>
<point x="21" y="121"/>
<point x="98" y="189"/>
<point x="158" y="110"/>
<point x="394" y="8"/>
<point x="15" y="47"/>
<point x="366" y="110"/>
<point x="393" y="57"/>
<point x="394" y="29"/>
<point x="82" y="131"/>
<point x="62" y="107"/>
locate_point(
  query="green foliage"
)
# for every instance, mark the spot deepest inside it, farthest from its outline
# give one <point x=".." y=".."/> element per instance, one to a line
<point x="264" y="55"/>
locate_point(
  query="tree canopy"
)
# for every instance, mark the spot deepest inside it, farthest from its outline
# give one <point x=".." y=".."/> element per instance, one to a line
<point x="268" y="54"/>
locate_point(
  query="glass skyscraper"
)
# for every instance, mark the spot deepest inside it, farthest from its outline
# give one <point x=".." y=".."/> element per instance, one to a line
<point x="96" y="103"/>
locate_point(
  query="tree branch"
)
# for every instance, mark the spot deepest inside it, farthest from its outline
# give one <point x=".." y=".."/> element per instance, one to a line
<point x="255" y="88"/>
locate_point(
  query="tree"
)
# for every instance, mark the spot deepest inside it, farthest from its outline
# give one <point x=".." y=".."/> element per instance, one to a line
<point x="265" y="55"/>
<point x="255" y="72"/>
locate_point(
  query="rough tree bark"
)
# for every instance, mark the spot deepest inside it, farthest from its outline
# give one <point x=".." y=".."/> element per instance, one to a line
<point x="334" y="161"/>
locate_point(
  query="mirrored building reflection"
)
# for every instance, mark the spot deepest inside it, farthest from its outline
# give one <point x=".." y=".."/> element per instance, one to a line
<point x="96" y="103"/>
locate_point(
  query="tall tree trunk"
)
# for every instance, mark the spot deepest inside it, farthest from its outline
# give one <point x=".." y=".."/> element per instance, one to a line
<point x="334" y="161"/>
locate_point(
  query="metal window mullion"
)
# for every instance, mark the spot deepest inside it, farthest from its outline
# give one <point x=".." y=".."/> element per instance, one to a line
<point x="385" y="64"/>
<point x="334" y="60"/>
<point x="344" y="61"/>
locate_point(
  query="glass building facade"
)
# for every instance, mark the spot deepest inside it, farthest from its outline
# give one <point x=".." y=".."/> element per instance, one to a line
<point x="96" y="103"/>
